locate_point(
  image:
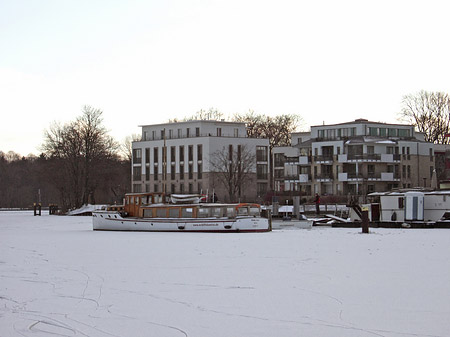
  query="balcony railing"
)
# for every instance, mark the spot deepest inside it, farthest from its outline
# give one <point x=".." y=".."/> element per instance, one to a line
<point x="324" y="176"/>
<point x="323" y="158"/>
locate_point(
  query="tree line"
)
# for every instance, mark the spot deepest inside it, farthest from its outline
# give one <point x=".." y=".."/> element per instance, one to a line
<point x="79" y="164"/>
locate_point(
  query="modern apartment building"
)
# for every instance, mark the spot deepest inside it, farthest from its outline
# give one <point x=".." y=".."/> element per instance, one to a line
<point x="354" y="158"/>
<point x="180" y="157"/>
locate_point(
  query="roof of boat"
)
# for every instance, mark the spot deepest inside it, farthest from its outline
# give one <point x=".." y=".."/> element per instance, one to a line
<point x="199" y="204"/>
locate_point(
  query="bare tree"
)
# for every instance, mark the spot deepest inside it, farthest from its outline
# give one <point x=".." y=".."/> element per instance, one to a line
<point x="78" y="149"/>
<point x="203" y="115"/>
<point x="233" y="169"/>
<point x="277" y="129"/>
<point x="429" y="112"/>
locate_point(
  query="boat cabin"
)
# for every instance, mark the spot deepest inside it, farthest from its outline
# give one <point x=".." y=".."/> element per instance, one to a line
<point x="154" y="205"/>
<point x="200" y="210"/>
<point x="134" y="201"/>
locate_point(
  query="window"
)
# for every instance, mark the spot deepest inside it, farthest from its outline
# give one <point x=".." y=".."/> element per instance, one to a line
<point x="145" y="136"/>
<point x="199" y="152"/>
<point x="383" y="132"/>
<point x="174" y="212"/>
<point x="153" y="135"/>
<point x="261" y="189"/>
<point x="181" y="188"/>
<point x="188" y="133"/>
<point x="261" y="153"/>
<point x="373" y="131"/>
<point x="190" y="153"/>
<point x="147" y="173"/>
<point x="199" y="171"/>
<point x="181" y="171"/>
<point x="172" y="188"/>
<point x="181" y="148"/>
<point x="191" y="188"/>
<point x="170" y="134"/>
<point x="172" y="172"/>
<point x="147" y="155"/>
<point x="155" y="172"/>
<point x="190" y="172"/>
<point x="155" y="155"/>
<point x="179" y="133"/>
<point x="137" y="156"/>
<point x="409" y="171"/>
<point x="392" y="132"/>
<point x="172" y="153"/>
<point x="197" y="132"/>
<point x="261" y="171"/>
<point x="137" y="188"/>
<point x="163" y="133"/>
<point x="219" y="132"/>
<point x="403" y="132"/>
<point x="136" y="173"/>
<point x="236" y="133"/>
<point x="155" y="188"/>
<point x="370" y="188"/>
<point x="320" y="133"/>
<point x="352" y="132"/>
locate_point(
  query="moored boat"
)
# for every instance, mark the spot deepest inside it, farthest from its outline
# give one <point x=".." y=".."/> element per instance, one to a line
<point x="150" y="212"/>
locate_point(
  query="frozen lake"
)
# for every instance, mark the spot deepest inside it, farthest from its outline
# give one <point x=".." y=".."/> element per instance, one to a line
<point x="59" y="278"/>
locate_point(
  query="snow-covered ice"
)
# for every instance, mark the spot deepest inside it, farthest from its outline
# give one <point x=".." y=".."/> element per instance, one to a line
<point x="60" y="278"/>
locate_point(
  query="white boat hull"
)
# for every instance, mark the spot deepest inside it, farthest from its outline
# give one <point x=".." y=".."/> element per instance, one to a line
<point x="113" y="221"/>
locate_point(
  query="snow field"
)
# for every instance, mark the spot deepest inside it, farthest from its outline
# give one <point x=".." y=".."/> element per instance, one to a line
<point x="58" y="277"/>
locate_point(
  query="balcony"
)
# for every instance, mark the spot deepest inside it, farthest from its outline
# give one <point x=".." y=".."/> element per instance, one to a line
<point x="383" y="176"/>
<point x="324" y="177"/>
<point x="323" y="159"/>
<point x="372" y="157"/>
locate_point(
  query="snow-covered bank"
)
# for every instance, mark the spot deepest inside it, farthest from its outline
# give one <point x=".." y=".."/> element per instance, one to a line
<point x="57" y="276"/>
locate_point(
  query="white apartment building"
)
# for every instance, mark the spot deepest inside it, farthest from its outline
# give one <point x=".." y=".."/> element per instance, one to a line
<point x="354" y="158"/>
<point x="177" y="158"/>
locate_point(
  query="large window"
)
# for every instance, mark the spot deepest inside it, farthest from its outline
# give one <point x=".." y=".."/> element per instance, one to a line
<point x="261" y="153"/>
<point x="137" y="156"/>
<point x="261" y="171"/>
<point x="136" y="173"/>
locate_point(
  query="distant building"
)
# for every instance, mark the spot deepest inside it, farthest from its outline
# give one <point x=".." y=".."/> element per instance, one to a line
<point x="354" y="158"/>
<point x="176" y="158"/>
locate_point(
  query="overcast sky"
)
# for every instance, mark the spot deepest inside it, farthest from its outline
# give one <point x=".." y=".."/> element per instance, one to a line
<point x="143" y="62"/>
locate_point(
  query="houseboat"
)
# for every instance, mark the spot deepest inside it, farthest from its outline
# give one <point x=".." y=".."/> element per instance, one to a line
<point x="151" y="212"/>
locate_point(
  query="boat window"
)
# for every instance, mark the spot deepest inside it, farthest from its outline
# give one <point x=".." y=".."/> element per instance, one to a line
<point x="203" y="213"/>
<point x="230" y="212"/>
<point x="187" y="212"/>
<point x="148" y="213"/>
<point x="242" y="211"/>
<point x="161" y="213"/>
<point x="157" y="199"/>
<point x="174" y="212"/>
<point x="254" y="211"/>
<point x="217" y="212"/>
<point x="136" y="201"/>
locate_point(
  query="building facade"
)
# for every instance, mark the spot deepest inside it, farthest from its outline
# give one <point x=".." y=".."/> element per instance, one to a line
<point x="193" y="157"/>
<point x="354" y="158"/>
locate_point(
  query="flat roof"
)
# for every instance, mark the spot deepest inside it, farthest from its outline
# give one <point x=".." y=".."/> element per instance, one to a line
<point x="196" y="121"/>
